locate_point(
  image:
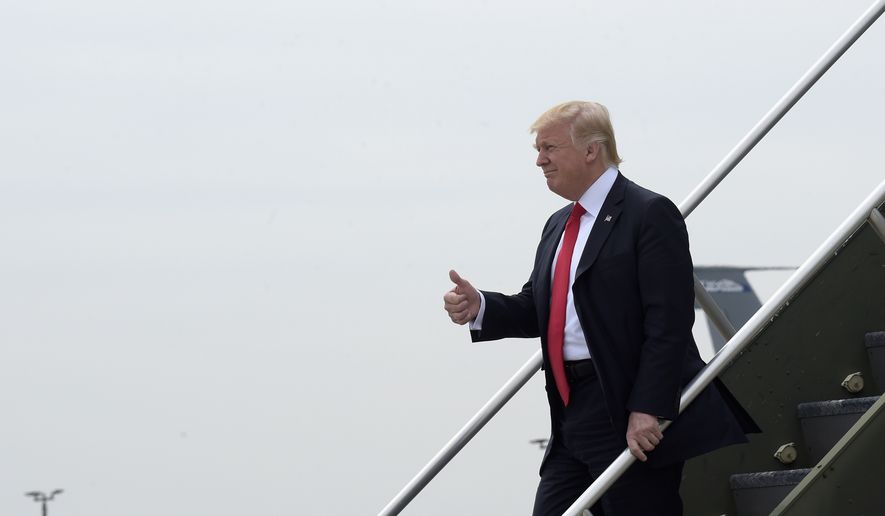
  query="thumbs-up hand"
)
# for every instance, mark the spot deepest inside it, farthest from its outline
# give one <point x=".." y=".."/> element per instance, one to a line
<point x="462" y="302"/>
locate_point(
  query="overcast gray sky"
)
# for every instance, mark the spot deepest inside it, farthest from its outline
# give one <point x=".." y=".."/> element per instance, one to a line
<point x="226" y="226"/>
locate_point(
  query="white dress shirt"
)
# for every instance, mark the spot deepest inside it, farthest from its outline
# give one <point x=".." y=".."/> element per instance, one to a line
<point x="574" y="342"/>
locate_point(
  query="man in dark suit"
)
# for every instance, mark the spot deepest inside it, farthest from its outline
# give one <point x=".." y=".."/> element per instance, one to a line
<point x="611" y="296"/>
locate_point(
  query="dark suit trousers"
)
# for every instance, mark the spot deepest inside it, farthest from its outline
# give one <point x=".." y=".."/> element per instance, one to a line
<point x="584" y="444"/>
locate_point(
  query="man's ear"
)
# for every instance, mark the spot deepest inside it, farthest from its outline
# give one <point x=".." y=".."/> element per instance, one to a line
<point x="592" y="152"/>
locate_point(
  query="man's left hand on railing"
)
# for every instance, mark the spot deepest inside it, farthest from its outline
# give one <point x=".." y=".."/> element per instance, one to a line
<point x="643" y="434"/>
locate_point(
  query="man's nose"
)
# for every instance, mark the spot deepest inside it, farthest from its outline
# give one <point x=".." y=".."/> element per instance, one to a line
<point x="542" y="159"/>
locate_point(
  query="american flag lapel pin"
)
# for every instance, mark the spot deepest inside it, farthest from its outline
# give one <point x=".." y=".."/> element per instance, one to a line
<point x="608" y="218"/>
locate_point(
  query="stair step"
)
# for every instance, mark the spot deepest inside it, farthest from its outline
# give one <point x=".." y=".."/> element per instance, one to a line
<point x="875" y="342"/>
<point x="825" y="422"/>
<point x="757" y="494"/>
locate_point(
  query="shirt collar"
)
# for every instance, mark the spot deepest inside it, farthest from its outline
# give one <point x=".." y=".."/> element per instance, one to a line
<point x="595" y="195"/>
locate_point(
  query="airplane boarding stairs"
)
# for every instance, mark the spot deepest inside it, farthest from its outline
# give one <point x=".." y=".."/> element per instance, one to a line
<point x="811" y="378"/>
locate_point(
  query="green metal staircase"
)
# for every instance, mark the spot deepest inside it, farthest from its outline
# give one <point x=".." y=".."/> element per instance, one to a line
<point x="795" y="366"/>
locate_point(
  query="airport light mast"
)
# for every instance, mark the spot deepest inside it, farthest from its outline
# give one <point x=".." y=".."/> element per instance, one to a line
<point x="42" y="498"/>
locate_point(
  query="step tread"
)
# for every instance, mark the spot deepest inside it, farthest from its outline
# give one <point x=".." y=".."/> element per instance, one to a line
<point x="788" y="477"/>
<point x="875" y="339"/>
<point x="835" y="407"/>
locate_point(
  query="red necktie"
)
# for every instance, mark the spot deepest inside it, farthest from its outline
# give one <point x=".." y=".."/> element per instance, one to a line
<point x="559" y="299"/>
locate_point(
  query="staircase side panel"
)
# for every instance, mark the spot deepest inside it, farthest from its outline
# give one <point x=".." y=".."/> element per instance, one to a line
<point x="848" y="480"/>
<point x="802" y="355"/>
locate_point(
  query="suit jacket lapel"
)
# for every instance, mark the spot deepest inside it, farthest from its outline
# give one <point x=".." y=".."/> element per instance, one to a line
<point x="605" y="221"/>
<point x="542" y="289"/>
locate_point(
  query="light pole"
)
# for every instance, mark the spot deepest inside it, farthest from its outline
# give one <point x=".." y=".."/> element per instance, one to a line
<point x="41" y="497"/>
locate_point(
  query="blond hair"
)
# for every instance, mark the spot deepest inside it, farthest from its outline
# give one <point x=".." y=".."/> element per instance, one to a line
<point x="590" y="122"/>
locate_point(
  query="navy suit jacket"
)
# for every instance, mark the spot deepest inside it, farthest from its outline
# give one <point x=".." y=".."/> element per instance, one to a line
<point x="634" y="296"/>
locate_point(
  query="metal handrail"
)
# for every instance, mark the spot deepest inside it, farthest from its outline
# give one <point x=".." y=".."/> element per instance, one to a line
<point x="439" y="461"/>
<point x="779" y="301"/>
<point x="877" y="220"/>
<point x="741" y="339"/>
<point x="714" y="313"/>
<point x="817" y="70"/>
<point x="533" y="365"/>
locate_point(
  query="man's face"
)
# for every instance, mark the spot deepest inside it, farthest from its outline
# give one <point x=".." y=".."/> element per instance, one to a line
<point x="565" y="167"/>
